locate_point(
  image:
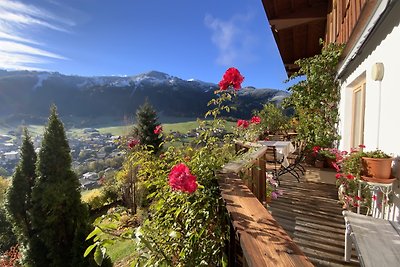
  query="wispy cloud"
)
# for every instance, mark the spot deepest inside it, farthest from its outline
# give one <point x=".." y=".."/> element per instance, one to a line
<point x="233" y="38"/>
<point x="19" y="50"/>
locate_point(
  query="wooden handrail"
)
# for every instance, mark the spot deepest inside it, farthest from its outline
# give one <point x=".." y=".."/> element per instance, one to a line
<point x="262" y="240"/>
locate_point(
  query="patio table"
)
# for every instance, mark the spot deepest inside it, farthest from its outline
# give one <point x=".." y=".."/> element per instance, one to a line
<point x="283" y="149"/>
<point x="377" y="241"/>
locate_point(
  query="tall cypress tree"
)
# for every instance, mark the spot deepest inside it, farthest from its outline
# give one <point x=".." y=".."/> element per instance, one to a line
<point x="58" y="215"/>
<point x="146" y="122"/>
<point x="18" y="199"/>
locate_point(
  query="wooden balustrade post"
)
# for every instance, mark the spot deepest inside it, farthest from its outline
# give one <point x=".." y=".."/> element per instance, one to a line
<point x="262" y="178"/>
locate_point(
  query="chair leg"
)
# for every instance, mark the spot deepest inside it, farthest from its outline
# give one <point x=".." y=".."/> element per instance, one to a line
<point x="276" y="177"/>
<point x="295" y="174"/>
<point x="302" y="167"/>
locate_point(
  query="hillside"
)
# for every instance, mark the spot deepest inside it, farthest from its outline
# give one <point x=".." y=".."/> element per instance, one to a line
<point x="27" y="95"/>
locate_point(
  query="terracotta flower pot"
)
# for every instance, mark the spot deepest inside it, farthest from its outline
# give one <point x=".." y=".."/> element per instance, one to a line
<point x="380" y="168"/>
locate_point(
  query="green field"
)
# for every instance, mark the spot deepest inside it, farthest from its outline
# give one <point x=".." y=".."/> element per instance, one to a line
<point x="182" y="127"/>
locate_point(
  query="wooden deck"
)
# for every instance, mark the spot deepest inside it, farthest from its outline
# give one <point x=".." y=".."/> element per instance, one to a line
<point x="310" y="214"/>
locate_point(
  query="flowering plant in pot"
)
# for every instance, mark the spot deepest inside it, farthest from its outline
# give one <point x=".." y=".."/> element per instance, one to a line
<point x="377" y="164"/>
<point x="324" y="157"/>
<point x="349" y="171"/>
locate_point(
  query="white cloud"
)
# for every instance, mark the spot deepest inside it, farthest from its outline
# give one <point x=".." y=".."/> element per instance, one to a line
<point x="13" y="47"/>
<point x="19" y="50"/>
<point x="233" y="39"/>
<point x="7" y="36"/>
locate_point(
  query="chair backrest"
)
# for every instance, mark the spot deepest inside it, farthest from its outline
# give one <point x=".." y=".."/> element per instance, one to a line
<point x="276" y="137"/>
<point x="270" y="154"/>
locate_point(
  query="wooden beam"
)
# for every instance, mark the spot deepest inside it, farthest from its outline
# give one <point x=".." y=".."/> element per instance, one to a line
<point x="281" y="24"/>
<point x="299" y="16"/>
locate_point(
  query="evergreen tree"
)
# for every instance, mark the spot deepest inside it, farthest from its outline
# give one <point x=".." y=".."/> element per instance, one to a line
<point x="58" y="215"/>
<point x="7" y="237"/>
<point x="146" y="123"/>
<point x="18" y="199"/>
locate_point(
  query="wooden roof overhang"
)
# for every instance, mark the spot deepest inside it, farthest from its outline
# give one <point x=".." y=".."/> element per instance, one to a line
<point x="297" y="26"/>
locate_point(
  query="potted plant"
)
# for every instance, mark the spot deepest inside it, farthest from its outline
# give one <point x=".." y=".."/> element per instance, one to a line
<point x="329" y="156"/>
<point x="318" y="157"/>
<point x="377" y="164"/>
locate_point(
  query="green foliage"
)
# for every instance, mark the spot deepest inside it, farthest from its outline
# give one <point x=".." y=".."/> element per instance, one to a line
<point x="18" y="200"/>
<point x="184" y="229"/>
<point x="352" y="164"/>
<point x="3" y="172"/>
<point x="273" y="119"/>
<point x="146" y="122"/>
<point x="349" y="178"/>
<point x="58" y="216"/>
<point x="377" y="154"/>
<point x="181" y="229"/>
<point x="4" y="184"/>
<point x="98" y="198"/>
<point x="316" y="98"/>
<point x="7" y="237"/>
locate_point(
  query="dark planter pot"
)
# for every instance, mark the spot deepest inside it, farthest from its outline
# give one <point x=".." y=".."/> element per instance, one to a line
<point x="319" y="164"/>
<point x="380" y="168"/>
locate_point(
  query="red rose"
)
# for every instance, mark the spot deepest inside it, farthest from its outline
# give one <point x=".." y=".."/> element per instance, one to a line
<point x="255" y="120"/>
<point x="350" y="176"/>
<point x="181" y="179"/>
<point x="242" y="123"/>
<point x="337" y="168"/>
<point x="361" y="146"/>
<point x="316" y="149"/>
<point x="232" y="77"/>
<point x="338" y="175"/>
<point x="132" y="143"/>
<point x="158" y="129"/>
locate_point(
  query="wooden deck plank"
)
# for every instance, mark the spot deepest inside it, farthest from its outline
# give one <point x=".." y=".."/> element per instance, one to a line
<point x="311" y="215"/>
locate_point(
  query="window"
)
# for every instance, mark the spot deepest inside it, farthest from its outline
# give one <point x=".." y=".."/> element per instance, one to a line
<point x="357" y="131"/>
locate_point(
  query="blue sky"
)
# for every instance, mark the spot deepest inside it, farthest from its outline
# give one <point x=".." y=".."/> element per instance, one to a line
<point x="188" y="39"/>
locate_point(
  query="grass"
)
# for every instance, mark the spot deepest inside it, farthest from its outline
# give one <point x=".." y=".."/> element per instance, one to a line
<point x="121" y="251"/>
<point x="87" y="195"/>
<point x="111" y="128"/>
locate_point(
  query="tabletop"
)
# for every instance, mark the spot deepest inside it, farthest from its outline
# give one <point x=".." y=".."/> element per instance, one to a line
<point x="282" y="147"/>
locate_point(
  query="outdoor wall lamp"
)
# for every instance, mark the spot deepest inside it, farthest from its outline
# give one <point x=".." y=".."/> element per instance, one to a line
<point x="377" y="71"/>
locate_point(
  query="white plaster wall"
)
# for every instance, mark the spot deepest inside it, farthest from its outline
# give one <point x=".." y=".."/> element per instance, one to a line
<point x="383" y="47"/>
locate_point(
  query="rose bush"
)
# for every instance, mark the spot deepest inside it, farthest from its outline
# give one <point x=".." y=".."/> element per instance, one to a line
<point x="186" y="223"/>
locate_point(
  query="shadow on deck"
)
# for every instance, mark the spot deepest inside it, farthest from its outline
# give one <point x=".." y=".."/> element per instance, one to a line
<point x="309" y="212"/>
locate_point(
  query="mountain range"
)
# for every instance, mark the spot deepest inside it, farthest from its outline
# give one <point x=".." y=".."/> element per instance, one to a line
<point x="27" y="95"/>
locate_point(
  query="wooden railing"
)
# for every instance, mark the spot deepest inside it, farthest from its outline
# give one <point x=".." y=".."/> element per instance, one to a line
<point x="256" y="239"/>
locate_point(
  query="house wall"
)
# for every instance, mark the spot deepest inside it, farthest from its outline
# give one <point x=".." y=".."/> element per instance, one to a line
<point x="382" y="46"/>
